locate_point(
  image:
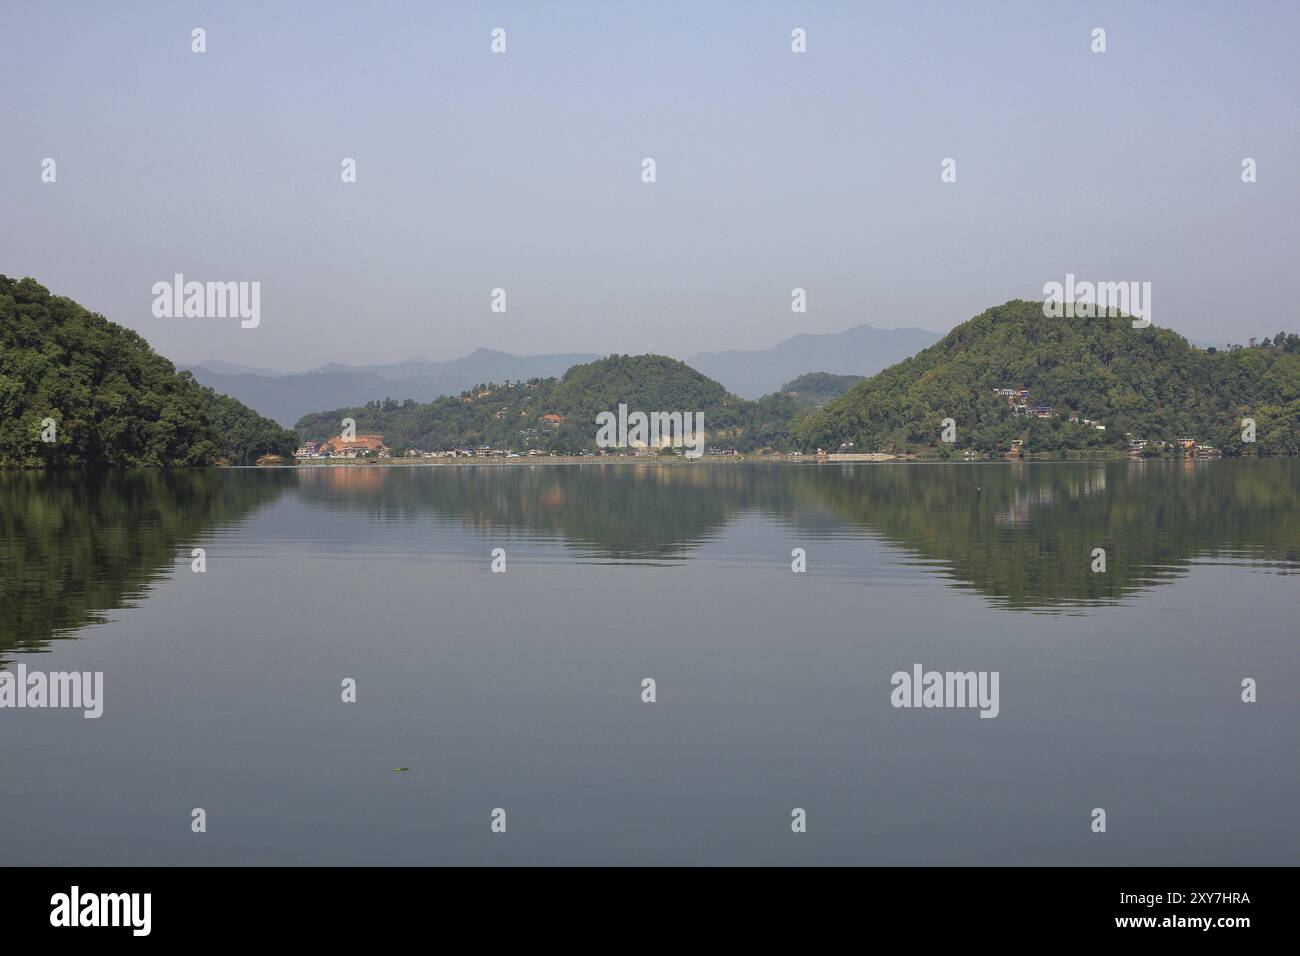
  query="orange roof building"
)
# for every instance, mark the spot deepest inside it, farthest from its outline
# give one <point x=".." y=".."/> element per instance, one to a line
<point x="360" y="443"/>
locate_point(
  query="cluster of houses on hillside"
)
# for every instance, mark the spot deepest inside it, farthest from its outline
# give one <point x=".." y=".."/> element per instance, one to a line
<point x="1022" y="404"/>
<point x="1189" y="447"/>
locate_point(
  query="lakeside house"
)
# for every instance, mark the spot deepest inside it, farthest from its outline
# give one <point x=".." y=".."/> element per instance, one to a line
<point x="1088" y="421"/>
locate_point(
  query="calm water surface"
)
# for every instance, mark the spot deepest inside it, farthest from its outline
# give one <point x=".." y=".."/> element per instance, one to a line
<point x="522" y="690"/>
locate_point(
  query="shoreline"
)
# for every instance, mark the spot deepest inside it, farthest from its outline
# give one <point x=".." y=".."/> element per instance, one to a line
<point x="714" y="461"/>
<point x="705" y="461"/>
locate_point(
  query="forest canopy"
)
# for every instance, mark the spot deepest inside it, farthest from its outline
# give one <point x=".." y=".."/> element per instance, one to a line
<point x="559" y="414"/>
<point x="105" y="397"/>
<point x="1149" y="383"/>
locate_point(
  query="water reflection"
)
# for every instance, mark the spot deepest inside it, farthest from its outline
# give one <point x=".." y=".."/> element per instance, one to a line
<point x="1021" y="534"/>
<point x="73" y="546"/>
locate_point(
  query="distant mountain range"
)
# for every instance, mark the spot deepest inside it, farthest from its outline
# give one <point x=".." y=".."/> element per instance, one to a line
<point x="862" y="350"/>
<point x="287" y="397"/>
<point x="230" y="368"/>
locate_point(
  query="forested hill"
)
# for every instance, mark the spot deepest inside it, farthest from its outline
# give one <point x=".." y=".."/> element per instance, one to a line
<point x="113" y="400"/>
<point x="819" y="388"/>
<point x="515" y="415"/>
<point x="1149" y="382"/>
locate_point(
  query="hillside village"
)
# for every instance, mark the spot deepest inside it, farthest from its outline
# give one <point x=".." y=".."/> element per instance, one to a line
<point x="1023" y="405"/>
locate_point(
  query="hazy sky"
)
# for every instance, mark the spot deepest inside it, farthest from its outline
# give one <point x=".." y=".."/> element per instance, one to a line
<point x="523" y="170"/>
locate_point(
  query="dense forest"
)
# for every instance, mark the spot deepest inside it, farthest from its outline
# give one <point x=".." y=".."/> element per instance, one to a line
<point x="1148" y="382"/>
<point x="513" y="414"/>
<point x="112" y="399"/>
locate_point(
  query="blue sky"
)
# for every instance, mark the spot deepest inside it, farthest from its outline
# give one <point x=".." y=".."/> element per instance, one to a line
<point x="522" y="170"/>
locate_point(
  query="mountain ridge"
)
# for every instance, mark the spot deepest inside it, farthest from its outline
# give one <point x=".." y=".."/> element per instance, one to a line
<point x="747" y="373"/>
<point x="286" y="398"/>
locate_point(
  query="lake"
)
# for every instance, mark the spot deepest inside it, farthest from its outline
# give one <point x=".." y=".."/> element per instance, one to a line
<point x="222" y="690"/>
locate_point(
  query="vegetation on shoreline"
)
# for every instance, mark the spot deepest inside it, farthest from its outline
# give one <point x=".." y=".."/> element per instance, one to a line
<point x="112" y="399"/>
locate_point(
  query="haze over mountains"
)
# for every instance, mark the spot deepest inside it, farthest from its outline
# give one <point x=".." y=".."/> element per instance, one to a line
<point x="862" y="350"/>
<point x="287" y="398"/>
